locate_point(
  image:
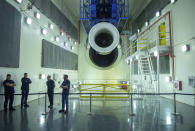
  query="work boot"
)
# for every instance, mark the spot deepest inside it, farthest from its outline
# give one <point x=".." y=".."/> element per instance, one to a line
<point x="26" y="105"/>
<point x="5" y="109"/>
<point x="61" y="111"/>
<point x="12" y="109"/>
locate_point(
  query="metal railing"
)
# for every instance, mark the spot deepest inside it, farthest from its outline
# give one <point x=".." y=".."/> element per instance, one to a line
<point x="175" y="113"/>
<point x="105" y="88"/>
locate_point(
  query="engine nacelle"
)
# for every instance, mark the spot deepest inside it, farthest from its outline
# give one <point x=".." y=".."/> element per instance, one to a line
<point x="104" y="38"/>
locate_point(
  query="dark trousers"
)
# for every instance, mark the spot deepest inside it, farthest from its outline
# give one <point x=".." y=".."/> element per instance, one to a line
<point x="24" y="97"/>
<point x="50" y="95"/>
<point x="9" y="98"/>
<point x="64" y="101"/>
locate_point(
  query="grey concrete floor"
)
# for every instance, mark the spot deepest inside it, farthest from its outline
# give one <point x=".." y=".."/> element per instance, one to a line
<point x="152" y="114"/>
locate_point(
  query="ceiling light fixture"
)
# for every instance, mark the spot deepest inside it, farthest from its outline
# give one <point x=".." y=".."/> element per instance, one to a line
<point x="69" y="39"/>
<point x="158" y="13"/>
<point x="51" y="26"/>
<point x="62" y="33"/>
<point x="185" y="48"/>
<point x="37" y="15"/>
<point x="57" y="39"/>
<point x="19" y="1"/>
<point x="28" y="21"/>
<point x="72" y="47"/>
<point x="172" y="1"/>
<point x="44" y="31"/>
<point x="147" y="23"/>
<point x="65" y="44"/>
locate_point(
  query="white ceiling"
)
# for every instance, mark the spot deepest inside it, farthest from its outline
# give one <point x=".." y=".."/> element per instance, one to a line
<point x="136" y="7"/>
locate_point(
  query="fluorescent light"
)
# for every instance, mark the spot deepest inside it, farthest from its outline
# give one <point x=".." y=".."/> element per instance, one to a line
<point x="62" y="33"/>
<point x="75" y="43"/>
<point x="157" y="13"/>
<point x="146" y="24"/>
<point x="44" y="31"/>
<point x="42" y="76"/>
<point x="69" y="39"/>
<point x="65" y="44"/>
<point x="51" y="26"/>
<point x="138" y="30"/>
<point x="156" y="53"/>
<point x="28" y="21"/>
<point x="185" y="48"/>
<point x="172" y="1"/>
<point x="37" y="15"/>
<point x="19" y="1"/>
<point x="72" y="47"/>
<point x="57" y="39"/>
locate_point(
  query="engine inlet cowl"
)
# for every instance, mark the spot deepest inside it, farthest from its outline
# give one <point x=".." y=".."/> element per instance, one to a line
<point x="103" y="38"/>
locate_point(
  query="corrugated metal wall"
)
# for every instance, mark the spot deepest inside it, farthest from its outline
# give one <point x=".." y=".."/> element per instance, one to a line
<point x="56" y="57"/>
<point x="10" y="28"/>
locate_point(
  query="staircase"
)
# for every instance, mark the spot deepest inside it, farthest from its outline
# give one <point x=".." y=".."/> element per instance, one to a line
<point x="147" y="74"/>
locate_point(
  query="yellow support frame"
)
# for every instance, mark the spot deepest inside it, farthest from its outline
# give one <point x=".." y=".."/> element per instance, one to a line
<point x="105" y="89"/>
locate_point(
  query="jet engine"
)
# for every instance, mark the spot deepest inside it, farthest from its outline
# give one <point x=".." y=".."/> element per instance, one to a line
<point x="103" y="22"/>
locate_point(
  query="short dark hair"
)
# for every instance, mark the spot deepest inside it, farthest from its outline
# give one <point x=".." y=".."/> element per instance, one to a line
<point x="48" y="76"/>
<point x="8" y="75"/>
<point x="25" y="73"/>
<point x="66" y="76"/>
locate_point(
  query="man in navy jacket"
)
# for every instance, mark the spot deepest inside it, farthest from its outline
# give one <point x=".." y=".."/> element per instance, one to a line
<point x="50" y="90"/>
<point x="65" y="93"/>
<point x="25" y="90"/>
<point x="9" y="92"/>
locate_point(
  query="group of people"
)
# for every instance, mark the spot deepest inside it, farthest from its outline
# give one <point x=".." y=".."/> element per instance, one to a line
<point x="9" y="91"/>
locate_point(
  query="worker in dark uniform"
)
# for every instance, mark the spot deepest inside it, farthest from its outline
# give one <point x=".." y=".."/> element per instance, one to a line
<point x="65" y="93"/>
<point x="50" y="90"/>
<point x="25" y="90"/>
<point x="9" y="92"/>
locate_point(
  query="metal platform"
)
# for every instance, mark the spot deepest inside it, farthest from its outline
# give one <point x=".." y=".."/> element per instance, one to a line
<point x="115" y="12"/>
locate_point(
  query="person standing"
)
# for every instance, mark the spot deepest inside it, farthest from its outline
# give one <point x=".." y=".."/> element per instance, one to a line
<point x="65" y="93"/>
<point x="50" y="90"/>
<point x="25" y="90"/>
<point x="9" y="92"/>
